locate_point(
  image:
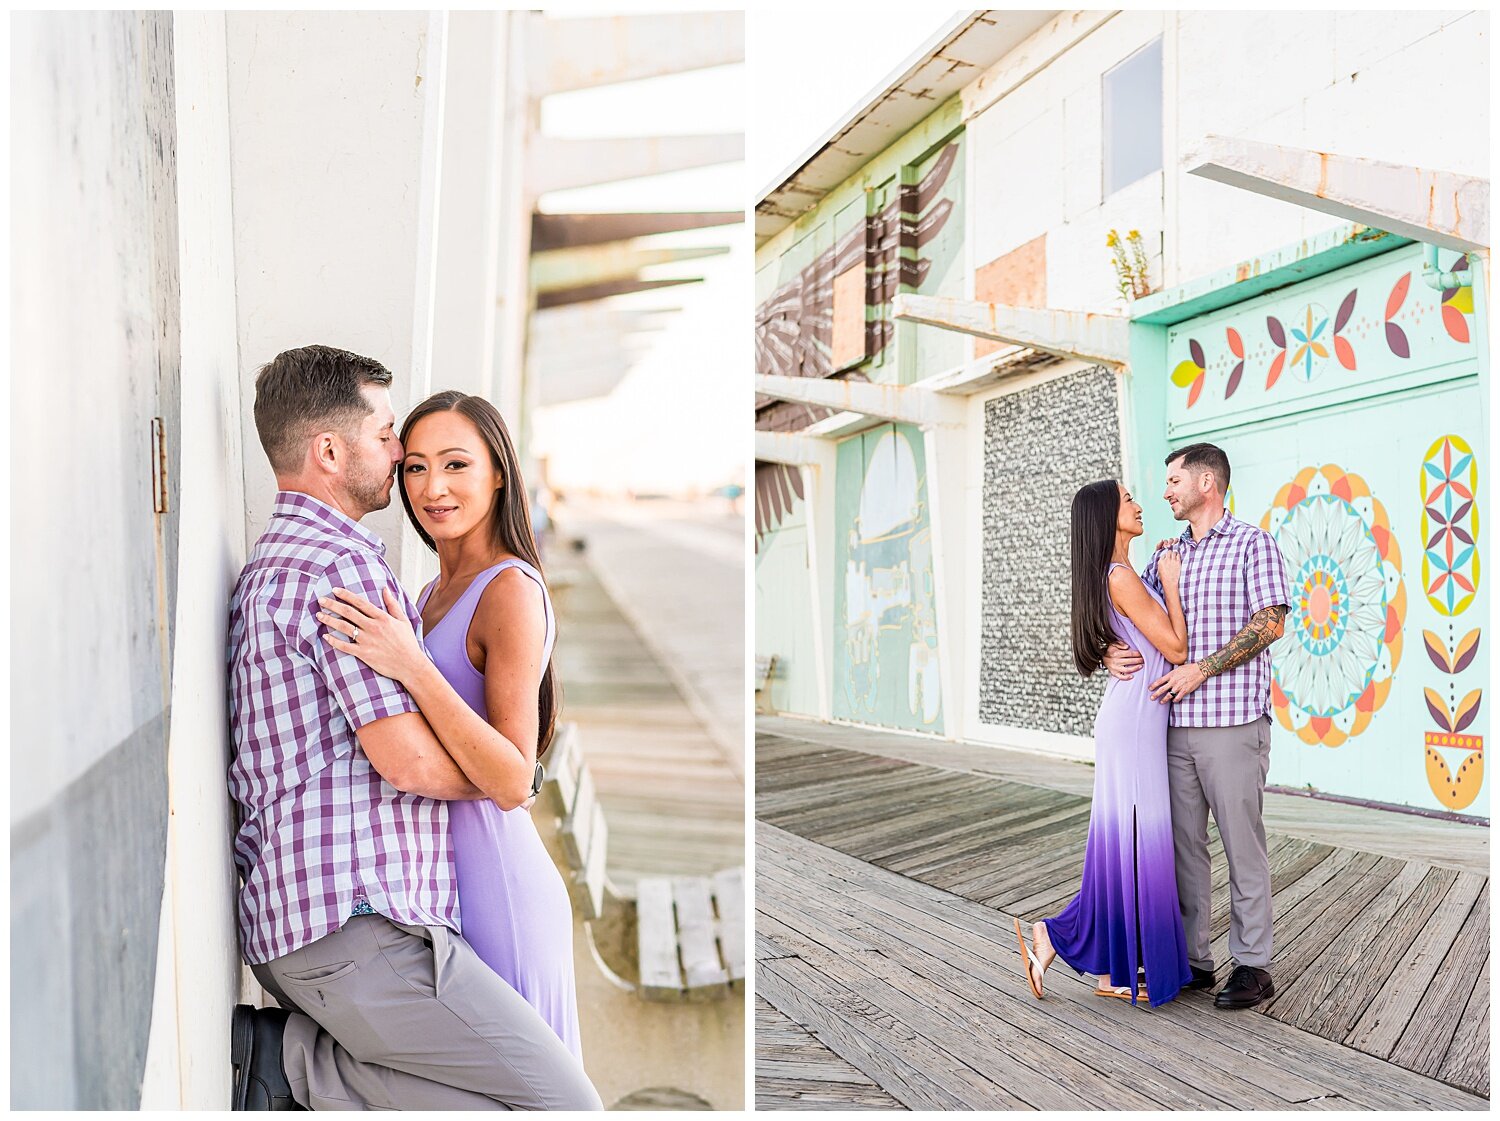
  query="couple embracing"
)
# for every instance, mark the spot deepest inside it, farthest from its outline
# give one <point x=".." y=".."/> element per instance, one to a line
<point x="1184" y="729"/>
<point x="396" y="899"/>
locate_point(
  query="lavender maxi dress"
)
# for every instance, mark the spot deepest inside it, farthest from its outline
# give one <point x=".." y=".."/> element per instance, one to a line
<point x="512" y="902"/>
<point x="1126" y="908"/>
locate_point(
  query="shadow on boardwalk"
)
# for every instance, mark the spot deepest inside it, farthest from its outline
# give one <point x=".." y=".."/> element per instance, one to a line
<point x="888" y="974"/>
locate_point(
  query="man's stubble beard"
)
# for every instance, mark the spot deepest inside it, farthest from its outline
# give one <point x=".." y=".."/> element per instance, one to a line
<point x="368" y="490"/>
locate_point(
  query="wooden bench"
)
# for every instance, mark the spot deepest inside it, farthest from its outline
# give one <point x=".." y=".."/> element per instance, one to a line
<point x="689" y="930"/>
<point x="671" y="959"/>
<point x="765" y="669"/>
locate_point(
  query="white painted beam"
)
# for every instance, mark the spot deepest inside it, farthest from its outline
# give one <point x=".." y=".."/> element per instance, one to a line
<point x="795" y="449"/>
<point x="579" y="54"/>
<point x="1437" y="207"/>
<point x="558" y="164"/>
<point x="902" y="403"/>
<point x="1067" y="334"/>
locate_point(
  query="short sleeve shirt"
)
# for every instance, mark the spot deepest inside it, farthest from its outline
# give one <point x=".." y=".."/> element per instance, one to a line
<point x="1233" y="572"/>
<point x="320" y="827"/>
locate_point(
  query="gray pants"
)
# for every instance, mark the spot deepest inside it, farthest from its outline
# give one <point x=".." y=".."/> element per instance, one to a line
<point x="1224" y="770"/>
<point x="406" y="1017"/>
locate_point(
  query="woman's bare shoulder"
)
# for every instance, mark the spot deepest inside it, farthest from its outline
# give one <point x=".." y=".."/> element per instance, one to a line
<point x="511" y="605"/>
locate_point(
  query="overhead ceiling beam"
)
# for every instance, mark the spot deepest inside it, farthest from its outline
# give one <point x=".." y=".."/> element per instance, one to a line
<point x="1440" y="208"/>
<point x="558" y="164"/>
<point x="576" y="54"/>
<point x="1067" y="334"/>
<point x="559" y="269"/>
<point x="887" y="402"/>
<point x="604" y="291"/>
<point x="794" y="449"/>
<point x="568" y="231"/>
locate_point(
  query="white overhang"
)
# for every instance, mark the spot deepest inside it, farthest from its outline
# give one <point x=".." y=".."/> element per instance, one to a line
<point x="955" y="55"/>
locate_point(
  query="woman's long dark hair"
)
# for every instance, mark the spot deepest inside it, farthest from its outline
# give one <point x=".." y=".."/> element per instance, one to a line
<point x="1096" y="512"/>
<point x="510" y="517"/>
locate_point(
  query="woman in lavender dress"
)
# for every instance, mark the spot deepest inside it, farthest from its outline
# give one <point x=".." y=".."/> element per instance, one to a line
<point x="1125" y="915"/>
<point x="489" y="627"/>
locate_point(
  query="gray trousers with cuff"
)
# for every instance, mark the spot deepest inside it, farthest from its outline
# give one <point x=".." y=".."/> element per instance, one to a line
<point x="388" y="1016"/>
<point x="1223" y="770"/>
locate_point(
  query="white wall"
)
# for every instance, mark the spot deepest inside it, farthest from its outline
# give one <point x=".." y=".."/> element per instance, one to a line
<point x="1405" y="87"/>
<point x="344" y="254"/>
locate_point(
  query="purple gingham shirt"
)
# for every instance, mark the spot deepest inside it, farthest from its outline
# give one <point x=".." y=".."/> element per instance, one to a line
<point x="320" y="828"/>
<point x="1235" y="571"/>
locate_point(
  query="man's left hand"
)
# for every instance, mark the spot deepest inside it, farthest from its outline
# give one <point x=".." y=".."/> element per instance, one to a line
<point x="1177" y="684"/>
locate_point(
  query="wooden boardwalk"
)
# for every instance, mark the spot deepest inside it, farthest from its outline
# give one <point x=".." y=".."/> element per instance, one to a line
<point x="674" y="803"/>
<point x="884" y="896"/>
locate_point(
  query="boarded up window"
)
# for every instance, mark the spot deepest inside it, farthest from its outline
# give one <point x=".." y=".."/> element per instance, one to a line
<point x="1017" y="279"/>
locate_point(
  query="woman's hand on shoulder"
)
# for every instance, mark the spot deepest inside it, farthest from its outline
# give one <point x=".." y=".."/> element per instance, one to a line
<point x="1169" y="566"/>
<point x="382" y="638"/>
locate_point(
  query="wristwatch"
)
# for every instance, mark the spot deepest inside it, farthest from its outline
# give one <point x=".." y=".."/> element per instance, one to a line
<point x="536" y="780"/>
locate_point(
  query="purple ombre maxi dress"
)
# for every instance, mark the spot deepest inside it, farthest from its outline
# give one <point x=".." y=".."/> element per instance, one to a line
<point x="1129" y="876"/>
<point x="513" y="904"/>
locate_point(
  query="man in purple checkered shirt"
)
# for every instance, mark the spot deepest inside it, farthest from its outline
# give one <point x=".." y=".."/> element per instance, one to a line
<point x="349" y="908"/>
<point x="1234" y="595"/>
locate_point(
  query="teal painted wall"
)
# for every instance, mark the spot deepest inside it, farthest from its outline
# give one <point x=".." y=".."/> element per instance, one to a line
<point x="885" y="638"/>
<point x="1350" y="408"/>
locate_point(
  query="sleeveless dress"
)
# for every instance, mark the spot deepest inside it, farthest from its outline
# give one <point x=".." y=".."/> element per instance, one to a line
<point x="512" y="901"/>
<point x="1126" y="907"/>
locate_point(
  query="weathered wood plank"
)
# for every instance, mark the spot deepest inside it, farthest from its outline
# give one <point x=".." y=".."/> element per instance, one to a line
<point x="940" y="843"/>
<point x="794" y="1071"/>
<point x="1424" y="1043"/>
<point x="656" y="940"/>
<point x="904" y="1065"/>
<point x="1329" y="1073"/>
<point x="1467" y="1062"/>
<point x="702" y="968"/>
<point x="1380" y="1026"/>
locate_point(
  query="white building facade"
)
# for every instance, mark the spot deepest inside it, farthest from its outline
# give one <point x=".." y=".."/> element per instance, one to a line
<point x="912" y="532"/>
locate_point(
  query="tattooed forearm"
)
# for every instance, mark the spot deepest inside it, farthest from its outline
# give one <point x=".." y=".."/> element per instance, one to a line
<point x="1263" y="629"/>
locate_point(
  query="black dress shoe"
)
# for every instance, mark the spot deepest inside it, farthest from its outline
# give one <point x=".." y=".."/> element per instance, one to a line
<point x="1247" y="987"/>
<point x="1202" y="978"/>
<point x="260" y="1083"/>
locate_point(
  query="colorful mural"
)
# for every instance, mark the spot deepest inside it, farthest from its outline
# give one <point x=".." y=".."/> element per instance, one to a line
<point x="1332" y="668"/>
<point x="1284" y="346"/>
<point x="886" y="655"/>
<point x="794" y="327"/>
<point x="1333" y="397"/>
<point x="1450" y="575"/>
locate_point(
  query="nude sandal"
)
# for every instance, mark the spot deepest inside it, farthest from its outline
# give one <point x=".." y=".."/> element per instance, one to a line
<point x="1028" y="961"/>
<point x="1122" y="992"/>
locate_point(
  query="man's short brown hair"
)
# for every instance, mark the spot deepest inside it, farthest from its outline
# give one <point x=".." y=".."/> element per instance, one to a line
<point x="308" y="390"/>
<point x="1205" y="457"/>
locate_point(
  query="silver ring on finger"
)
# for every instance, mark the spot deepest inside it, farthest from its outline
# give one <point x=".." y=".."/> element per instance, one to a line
<point x="354" y="635"/>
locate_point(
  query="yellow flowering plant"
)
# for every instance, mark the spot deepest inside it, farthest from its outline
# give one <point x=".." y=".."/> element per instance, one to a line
<point x="1128" y="257"/>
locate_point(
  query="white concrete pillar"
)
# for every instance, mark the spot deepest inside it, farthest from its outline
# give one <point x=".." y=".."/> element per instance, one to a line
<point x="346" y="253"/>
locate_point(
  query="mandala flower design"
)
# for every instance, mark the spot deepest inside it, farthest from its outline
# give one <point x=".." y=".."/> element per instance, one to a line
<point x="1307" y="360"/>
<point x="1332" y="669"/>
